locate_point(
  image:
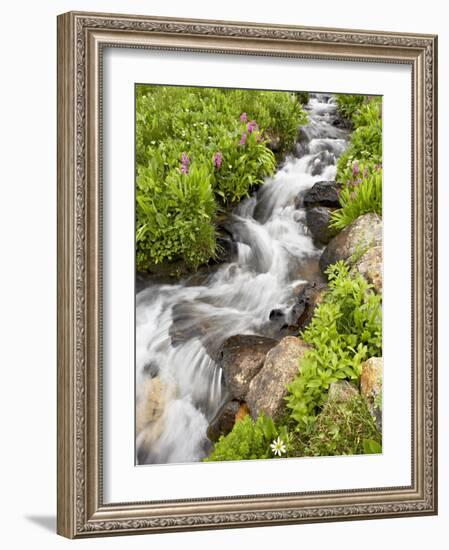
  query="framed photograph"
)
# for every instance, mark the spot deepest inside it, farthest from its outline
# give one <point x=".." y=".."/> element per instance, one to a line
<point x="247" y="274"/>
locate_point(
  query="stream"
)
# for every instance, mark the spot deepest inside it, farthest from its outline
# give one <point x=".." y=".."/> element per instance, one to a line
<point x="180" y="327"/>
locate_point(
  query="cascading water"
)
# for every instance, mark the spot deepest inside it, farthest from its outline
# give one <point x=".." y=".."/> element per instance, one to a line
<point x="180" y="327"/>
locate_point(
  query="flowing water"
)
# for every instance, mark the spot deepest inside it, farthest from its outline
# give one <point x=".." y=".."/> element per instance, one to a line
<point x="180" y="327"/>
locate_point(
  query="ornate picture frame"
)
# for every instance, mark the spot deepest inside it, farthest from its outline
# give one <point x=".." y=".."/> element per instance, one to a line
<point x="82" y="38"/>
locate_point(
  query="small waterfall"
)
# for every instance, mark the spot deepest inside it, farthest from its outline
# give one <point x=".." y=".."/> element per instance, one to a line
<point x="180" y="327"/>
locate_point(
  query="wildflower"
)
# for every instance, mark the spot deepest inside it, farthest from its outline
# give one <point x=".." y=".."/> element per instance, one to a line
<point x="242" y="139"/>
<point x="378" y="167"/>
<point x="218" y="158"/>
<point x="243" y="117"/>
<point x="278" y="447"/>
<point x="185" y="161"/>
<point x="355" y="168"/>
<point x="251" y="126"/>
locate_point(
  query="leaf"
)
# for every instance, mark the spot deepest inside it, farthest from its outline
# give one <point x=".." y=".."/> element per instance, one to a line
<point x="370" y="446"/>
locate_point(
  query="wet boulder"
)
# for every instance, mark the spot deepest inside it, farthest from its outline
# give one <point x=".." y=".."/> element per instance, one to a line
<point x="307" y="297"/>
<point x="362" y="234"/>
<point x="241" y="357"/>
<point x="318" y="218"/>
<point x="224" y="421"/>
<point x="268" y="389"/>
<point x="151" y="369"/>
<point x="320" y="161"/>
<point x="343" y="123"/>
<point x="322" y="193"/>
<point x="226" y="248"/>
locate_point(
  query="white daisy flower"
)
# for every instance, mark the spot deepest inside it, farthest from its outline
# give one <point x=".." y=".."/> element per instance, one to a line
<point x="278" y="447"/>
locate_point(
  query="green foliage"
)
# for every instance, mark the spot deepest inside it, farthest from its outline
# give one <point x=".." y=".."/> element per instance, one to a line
<point x="174" y="216"/>
<point x="359" y="169"/>
<point x="303" y="97"/>
<point x="372" y="447"/>
<point x="366" y="139"/>
<point x="344" y="429"/>
<point x="195" y="154"/>
<point x="249" y="440"/>
<point x="346" y="329"/>
<point x="348" y="104"/>
<point x="359" y="198"/>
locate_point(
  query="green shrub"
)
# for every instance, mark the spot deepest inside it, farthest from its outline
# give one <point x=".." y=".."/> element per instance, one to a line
<point x="199" y="150"/>
<point x="346" y="329"/>
<point x="249" y="440"/>
<point x="174" y="216"/>
<point x="358" y="198"/>
<point x="348" y="104"/>
<point x="344" y="429"/>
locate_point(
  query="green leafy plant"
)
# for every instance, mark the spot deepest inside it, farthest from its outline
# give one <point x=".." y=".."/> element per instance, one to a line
<point x="344" y="429"/>
<point x="348" y="104"/>
<point x="199" y="151"/>
<point x="249" y="439"/>
<point x="359" y="169"/>
<point x="366" y="139"/>
<point x="371" y="446"/>
<point x="174" y="217"/>
<point x="346" y="329"/>
<point x="357" y="199"/>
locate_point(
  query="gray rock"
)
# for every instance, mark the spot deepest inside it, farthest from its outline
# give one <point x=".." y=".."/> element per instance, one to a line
<point x="322" y="193"/>
<point x="371" y="387"/>
<point x="320" y="161"/>
<point x="342" y="391"/>
<point x="268" y="389"/>
<point x="307" y="299"/>
<point x="318" y="218"/>
<point x="241" y="357"/>
<point x="362" y="234"/>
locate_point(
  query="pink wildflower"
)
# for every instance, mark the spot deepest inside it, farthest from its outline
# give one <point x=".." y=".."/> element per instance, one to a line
<point x="243" y="117"/>
<point x="251" y="126"/>
<point x="218" y="158"/>
<point x="242" y="139"/>
<point x="185" y="161"/>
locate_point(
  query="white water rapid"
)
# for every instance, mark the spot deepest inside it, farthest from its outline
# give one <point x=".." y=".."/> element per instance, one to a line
<point x="180" y="327"/>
